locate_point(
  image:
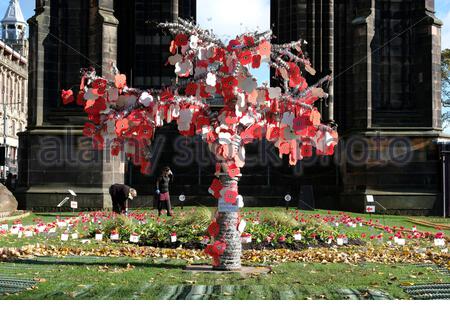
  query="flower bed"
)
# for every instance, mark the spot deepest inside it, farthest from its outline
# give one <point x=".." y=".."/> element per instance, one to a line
<point x="191" y="229"/>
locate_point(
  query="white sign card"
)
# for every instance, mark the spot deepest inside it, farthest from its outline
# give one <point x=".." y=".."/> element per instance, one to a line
<point x="73" y="204"/>
<point x="370" y="209"/>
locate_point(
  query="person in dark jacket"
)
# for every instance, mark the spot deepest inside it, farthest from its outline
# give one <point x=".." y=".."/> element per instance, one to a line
<point x="162" y="190"/>
<point x="120" y="193"/>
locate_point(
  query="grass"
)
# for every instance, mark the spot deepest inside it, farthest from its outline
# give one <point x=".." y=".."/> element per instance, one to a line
<point x="121" y="278"/>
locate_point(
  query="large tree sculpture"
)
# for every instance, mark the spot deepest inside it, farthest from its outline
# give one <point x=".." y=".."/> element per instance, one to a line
<point x="285" y="116"/>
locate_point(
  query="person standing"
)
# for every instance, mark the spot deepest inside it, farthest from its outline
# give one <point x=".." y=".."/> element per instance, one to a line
<point x="120" y="193"/>
<point x="162" y="190"/>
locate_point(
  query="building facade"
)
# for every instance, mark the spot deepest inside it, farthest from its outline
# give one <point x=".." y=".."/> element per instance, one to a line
<point x="384" y="56"/>
<point x="13" y="83"/>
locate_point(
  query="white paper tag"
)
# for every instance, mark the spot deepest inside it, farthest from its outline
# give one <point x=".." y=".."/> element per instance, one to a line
<point x="4" y="227"/>
<point x="61" y="224"/>
<point x="115" y="236"/>
<point x="242" y="226"/>
<point x="340" y="242"/>
<point x="99" y="236"/>
<point x="401" y="242"/>
<point x="28" y="234"/>
<point x="73" y="204"/>
<point x="173" y="238"/>
<point x="41" y="229"/>
<point x="15" y="230"/>
<point x="439" y="242"/>
<point x="74" y="236"/>
<point x="134" y="239"/>
<point x="297" y="236"/>
<point x="246" y="239"/>
<point x="64" y="237"/>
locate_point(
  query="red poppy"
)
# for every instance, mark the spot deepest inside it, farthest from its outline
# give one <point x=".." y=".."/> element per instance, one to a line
<point x="214" y="229"/>
<point x="120" y="81"/>
<point x="99" y="105"/>
<point x="233" y="170"/>
<point x="121" y="126"/>
<point x="274" y="133"/>
<point x="256" y="61"/>
<point x="191" y="89"/>
<point x="89" y="129"/>
<point x="218" y="248"/>
<point x="80" y="98"/>
<point x="306" y="150"/>
<point x="99" y="86"/>
<point x="67" y="96"/>
<point x="284" y="148"/>
<point x="145" y="132"/>
<point x="245" y="57"/>
<point x="181" y="40"/>
<point x="265" y="48"/>
<point x="249" y="41"/>
<point x="229" y="83"/>
<point x="166" y="95"/>
<point x="230" y="196"/>
<point x="116" y="147"/>
<point x="204" y="93"/>
<point x="215" y="187"/>
<point x="233" y="45"/>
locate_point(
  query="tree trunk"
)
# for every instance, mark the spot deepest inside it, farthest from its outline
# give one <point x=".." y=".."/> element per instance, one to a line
<point x="231" y="259"/>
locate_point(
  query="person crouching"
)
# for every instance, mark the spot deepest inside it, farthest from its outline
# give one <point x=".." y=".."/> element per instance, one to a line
<point x="120" y="193"/>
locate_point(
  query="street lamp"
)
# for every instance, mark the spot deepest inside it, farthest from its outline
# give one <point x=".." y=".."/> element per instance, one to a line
<point x="4" y="135"/>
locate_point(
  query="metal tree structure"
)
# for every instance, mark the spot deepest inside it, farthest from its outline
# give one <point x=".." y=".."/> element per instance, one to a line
<point x="284" y="115"/>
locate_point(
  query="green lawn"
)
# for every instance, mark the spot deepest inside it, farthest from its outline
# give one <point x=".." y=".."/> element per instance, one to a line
<point x="121" y="278"/>
<point x="128" y="278"/>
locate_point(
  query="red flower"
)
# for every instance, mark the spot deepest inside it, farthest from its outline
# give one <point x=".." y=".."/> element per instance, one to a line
<point x="230" y="196"/>
<point x="145" y="132"/>
<point x="233" y="45"/>
<point x="265" y="48"/>
<point x="439" y="235"/>
<point x="80" y="98"/>
<point x="121" y="126"/>
<point x="249" y="41"/>
<point x="99" y="86"/>
<point x="181" y="40"/>
<point x="89" y="129"/>
<point x="67" y="96"/>
<point x="256" y="61"/>
<point x="120" y="81"/>
<point x="214" y="229"/>
<point x="245" y="57"/>
<point x="215" y="187"/>
<point x="233" y="170"/>
<point x="363" y="235"/>
<point x="229" y="83"/>
<point x="191" y="89"/>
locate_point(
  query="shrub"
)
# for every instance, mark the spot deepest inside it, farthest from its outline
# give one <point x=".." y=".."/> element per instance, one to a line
<point x="121" y="223"/>
<point x="279" y="219"/>
<point x="200" y="218"/>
